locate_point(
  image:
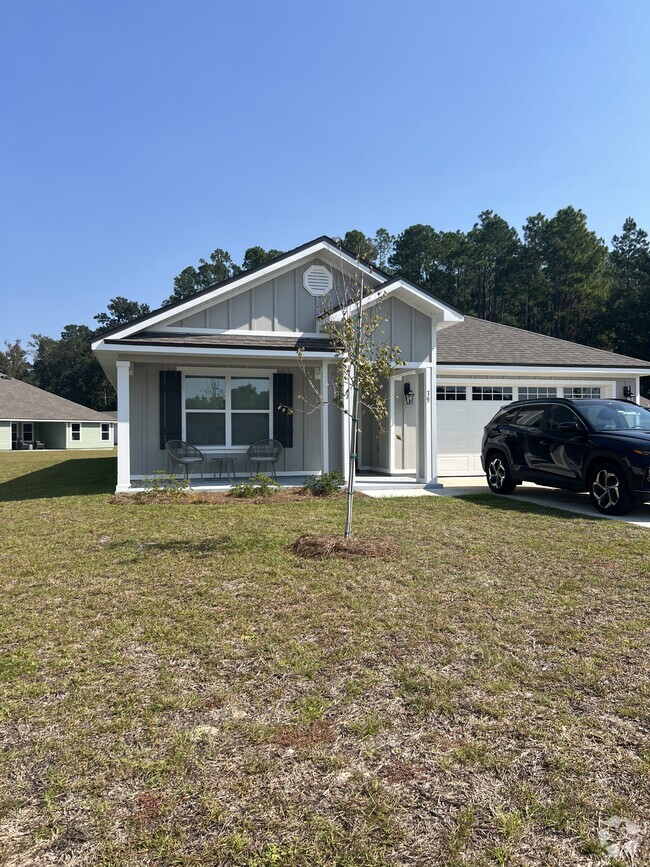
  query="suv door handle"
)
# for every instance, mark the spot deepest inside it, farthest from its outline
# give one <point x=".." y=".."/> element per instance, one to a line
<point x="545" y="442"/>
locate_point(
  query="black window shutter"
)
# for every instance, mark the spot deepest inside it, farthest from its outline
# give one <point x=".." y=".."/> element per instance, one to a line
<point x="170" y="406"/>
<point x="283" y="399"/>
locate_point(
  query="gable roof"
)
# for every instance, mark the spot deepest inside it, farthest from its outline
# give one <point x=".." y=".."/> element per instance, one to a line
<point x="20" y="401"/>
<point x="407" y="291"/>
<point x="216" y="290"/>
<point x="478" y="342"/>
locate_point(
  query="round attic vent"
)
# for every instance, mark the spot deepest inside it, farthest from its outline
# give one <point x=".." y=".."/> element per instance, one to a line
<point x="317" y="280"/>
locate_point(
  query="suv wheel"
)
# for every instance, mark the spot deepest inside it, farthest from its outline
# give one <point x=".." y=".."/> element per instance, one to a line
<point x="609" y="490"/>
<point x="498" y="475"/>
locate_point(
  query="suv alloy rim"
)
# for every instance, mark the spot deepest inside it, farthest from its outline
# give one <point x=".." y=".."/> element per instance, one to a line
<point x="606" y="489"/>
<point x="496" y="473"/>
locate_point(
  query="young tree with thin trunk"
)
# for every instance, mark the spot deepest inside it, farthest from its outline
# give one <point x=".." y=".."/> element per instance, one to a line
<point x="365" y="361"/>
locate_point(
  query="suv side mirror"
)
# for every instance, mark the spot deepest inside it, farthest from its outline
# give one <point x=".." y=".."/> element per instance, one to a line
<point x="569" y="426"/>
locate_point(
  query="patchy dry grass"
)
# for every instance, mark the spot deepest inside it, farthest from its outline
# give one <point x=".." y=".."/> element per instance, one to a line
<point x="178" y="689"/>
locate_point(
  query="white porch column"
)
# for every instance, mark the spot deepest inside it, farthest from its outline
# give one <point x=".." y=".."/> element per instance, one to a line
<point x="428" y="397"/>
<point x="347" y="426"/>
<point x="123" y="427"/>
<point x="432" y="413"/>
<point x="324" y="418"/>
<point x="637" y="388"/>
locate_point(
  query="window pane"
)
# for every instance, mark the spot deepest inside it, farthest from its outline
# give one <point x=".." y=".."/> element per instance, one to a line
<point x="491" y="393"/>
<point x="561" y="415"/>
<point x="206" y="428"/>
<point x="581" y="393"/>
<point x="531" y="416"/>
<point x="249" y="427"/>
<point x="205" y="392"/>
<point x="247" y="393"/>
<point x="531" y="392"/>
<point x="451" y="392"/>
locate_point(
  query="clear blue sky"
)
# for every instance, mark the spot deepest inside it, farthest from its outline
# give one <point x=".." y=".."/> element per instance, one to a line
<point x="138" y="136"/>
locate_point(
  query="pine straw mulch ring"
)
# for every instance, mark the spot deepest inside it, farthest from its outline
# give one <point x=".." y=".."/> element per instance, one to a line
<point x="317" y="546"/>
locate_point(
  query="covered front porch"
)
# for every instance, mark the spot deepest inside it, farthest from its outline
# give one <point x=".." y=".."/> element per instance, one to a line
<point x="222" y="408"/>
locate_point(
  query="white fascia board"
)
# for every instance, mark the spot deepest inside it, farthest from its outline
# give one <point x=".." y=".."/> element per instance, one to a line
<point x="409" y="293"/>
<point x="193" y="303"/>
<point x="216" y="351"/>
<point x="533" y="370"/>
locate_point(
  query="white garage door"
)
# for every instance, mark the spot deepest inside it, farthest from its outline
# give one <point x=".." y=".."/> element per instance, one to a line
<point x="464" y="410"/>
<point x="461" y="420"/>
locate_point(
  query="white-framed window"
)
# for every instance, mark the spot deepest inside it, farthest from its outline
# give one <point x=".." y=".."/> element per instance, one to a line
<point x="75" y="432"/>
<point x="492" y="392"/>
<point x="451" y="392"/>
<point x="106" y="432"/>
<point x="227" y="409"/>
<point x="582" y="393"/>
<point x="28" y="432"/>
<point x="530" y="392"/>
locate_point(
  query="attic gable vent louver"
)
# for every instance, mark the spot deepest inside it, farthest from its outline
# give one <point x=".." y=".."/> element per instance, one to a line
<point x="317" y="280"/>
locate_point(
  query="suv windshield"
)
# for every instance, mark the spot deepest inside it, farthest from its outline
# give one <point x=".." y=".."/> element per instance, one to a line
<point x="616" y="416"/>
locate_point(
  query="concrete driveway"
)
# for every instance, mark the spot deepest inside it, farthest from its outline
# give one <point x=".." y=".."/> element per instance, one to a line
<point x="552" y="498"/>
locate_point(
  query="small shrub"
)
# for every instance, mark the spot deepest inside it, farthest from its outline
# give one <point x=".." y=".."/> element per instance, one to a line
<point x="325" y="485"/>
<point x="258" y="485"/>
<point x="163" y="482"/>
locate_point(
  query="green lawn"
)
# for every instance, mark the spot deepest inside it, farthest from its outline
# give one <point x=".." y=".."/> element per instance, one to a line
<point x="176" y="688"/>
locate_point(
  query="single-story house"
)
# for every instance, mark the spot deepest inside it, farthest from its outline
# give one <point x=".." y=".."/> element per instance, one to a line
<point x="31" y="418"/>
<point x="215" y="369"/>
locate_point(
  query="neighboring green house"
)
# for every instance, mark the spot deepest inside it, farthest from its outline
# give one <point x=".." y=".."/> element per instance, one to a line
<point x="31" y="418"/>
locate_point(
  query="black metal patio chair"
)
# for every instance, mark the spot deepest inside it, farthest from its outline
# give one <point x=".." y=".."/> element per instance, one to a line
<point x="264" y="453"/>
<point x="185" y="455"/>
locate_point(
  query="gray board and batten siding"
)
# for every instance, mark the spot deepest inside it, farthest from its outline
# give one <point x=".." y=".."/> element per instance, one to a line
<point x="279" y="304"/>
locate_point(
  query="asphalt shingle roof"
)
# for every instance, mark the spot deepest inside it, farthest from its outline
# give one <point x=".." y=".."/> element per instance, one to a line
<point x="231" y="341"/>
<point x="476" y="341"/>
<point x="20" y="401"/>
<point x="473" y="341"/>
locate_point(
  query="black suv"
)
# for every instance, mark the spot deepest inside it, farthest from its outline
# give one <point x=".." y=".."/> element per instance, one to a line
<point x="600" y="446"/>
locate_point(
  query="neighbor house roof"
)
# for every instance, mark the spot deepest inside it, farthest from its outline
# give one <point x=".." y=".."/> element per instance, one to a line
<point x="478" y="342"/>
<point x="20" y="401"/>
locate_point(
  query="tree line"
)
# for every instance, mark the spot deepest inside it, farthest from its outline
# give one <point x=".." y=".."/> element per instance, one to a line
<point x="556" y="277"/>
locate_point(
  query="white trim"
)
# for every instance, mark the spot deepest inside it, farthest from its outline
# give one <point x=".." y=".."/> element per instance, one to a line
<point x="194" y="303"/>
<point x="400" y="287"/>
<point x="428" y="423"/>
<point x="531" y="370"/>
<point x="325" y="417"/>
<point x="233" y="352"/>
<point x="123" y="426"/>
<point x="227" y="411"/>
<point x="223" y="371"/>
<point x="391" y="425"/>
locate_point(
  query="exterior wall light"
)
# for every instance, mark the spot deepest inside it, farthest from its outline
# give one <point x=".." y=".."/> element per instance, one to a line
<point x="409" y="394"/>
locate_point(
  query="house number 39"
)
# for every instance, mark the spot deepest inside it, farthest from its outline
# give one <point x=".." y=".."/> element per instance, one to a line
<point x="428" y="396"/>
